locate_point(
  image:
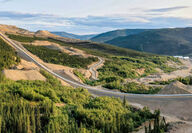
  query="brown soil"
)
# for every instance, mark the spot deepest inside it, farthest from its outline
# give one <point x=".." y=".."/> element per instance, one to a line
<point x="175" y="88"/>
<point x="140" y="71"/>
<point x="26" y="65"/>
<point x="183" y="71"/>
<point x="179" y="127"/>
<point x="42" y="33"/>
<point x="86" y="73"/>
<point x="59" y="104"/>
<point x="23" y="75"/>
<point x="14" y="30"/>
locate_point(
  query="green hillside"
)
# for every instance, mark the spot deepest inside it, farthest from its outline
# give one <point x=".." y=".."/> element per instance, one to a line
<point x="120" y="63"/>
<point x="49" y="107"/>
<point x="176" y="41"/>
<point x="104" y="37"/>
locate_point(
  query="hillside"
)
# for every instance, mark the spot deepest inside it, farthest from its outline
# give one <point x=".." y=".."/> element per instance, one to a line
<point x="48" y="106"/>
<point x="104" y="37"/>
<point x="74" y="36"/>
<point x="120" y="63"/>
<point x="176" y="41"/>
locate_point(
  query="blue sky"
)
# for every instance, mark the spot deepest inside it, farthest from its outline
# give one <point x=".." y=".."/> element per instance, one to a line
<point x="95" y="16"/>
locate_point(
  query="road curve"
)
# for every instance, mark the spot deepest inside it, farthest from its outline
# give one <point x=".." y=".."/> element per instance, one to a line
<point x="93" y="69"/>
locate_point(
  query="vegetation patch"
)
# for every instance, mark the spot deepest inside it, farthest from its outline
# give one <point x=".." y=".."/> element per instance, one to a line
<point x="132" y="87"/>
<point x="26" y="39"/>
<point x="186" y="81"/>
<point x="8" y="56"/>
<point x="58" y="57"/>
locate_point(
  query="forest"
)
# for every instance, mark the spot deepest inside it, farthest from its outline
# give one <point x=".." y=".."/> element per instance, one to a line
<point x="57" y="57"/>
<point x="49" y="107"/>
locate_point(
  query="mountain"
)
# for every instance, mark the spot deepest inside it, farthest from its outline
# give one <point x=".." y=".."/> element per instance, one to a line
<point x="116" y="33"/>
<point x="175" y="41"/>
<point x="73" y="36"/>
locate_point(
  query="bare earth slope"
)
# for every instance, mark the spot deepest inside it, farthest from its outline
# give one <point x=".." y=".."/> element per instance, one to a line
<point x="175" y="88"/>
<point x="23" y="75"/>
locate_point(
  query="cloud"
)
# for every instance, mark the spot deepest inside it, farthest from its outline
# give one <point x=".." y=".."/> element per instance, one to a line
<point x="168" y="9"/>
<point x="17" y="15"/>
<point x="89" y="24"/>
<point x="4" y="1"/>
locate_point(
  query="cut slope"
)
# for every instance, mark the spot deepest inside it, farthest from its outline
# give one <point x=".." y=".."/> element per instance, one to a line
<point x="23" y="75"/>
<point x="175" y="88"/>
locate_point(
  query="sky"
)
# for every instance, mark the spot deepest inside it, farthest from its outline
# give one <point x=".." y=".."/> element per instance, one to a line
<point x="95" y="16"/>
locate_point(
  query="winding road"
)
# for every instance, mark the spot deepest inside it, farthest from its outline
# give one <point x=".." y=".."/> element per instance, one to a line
<point x="93" y="69"/>
<point x="179" y="105"/>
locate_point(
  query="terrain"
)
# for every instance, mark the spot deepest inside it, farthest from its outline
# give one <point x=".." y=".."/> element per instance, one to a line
<point x="138" y="61"/>
<point x="47" y="106"/>
<point x="174" y="41"/>
<point x="73" y="36"/>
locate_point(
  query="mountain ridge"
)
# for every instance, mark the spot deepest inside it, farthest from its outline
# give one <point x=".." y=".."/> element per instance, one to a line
<point x="74" y="36"/>
<point x="104" y="37"/>
<point x="168" y="41"/>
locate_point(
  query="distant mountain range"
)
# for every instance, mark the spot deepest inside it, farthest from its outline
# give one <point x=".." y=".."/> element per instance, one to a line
<point x="104" y="37"/>
<point x="170" y="41"/>
<point x="74" y="36"/>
